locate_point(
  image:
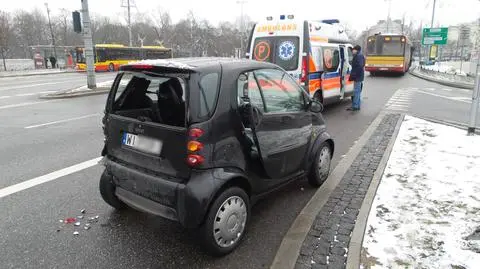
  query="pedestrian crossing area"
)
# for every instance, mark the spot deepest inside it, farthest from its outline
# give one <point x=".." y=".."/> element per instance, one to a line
<point x="400" y="101"/>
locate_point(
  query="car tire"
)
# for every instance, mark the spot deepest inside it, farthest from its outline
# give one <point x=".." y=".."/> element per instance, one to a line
<point x="111" y="67"/>
<point x="107" y="191"/>
<point x="372" y="74"/>
<point x="226" y="222"/>
<point x="321" y="166"/>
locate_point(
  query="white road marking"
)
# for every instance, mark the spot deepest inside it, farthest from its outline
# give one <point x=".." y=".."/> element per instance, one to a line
<point x="447" y="90"/>
<point x="27" y="104"/>
<point x="445" y="97"/>
<point x="61" y="121"/>
<point x="48" y="177"/>
<point x="27" y="86"/>
<point x="26" y="94"/>
<point x="4" y="97"/>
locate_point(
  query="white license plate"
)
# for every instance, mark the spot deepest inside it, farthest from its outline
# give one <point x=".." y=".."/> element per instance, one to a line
<point x="142" y="143"/>
<point x="384" y="69"/>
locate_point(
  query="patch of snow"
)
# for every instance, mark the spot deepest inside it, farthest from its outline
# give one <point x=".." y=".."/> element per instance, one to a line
<point x="428" y="203"/>
<point x="444" y="68"/>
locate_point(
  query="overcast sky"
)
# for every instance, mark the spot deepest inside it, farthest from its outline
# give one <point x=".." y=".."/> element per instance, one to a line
<point x="359" y="14"/>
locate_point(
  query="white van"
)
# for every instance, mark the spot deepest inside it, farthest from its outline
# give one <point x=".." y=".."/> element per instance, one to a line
<point x="315" y="53"/>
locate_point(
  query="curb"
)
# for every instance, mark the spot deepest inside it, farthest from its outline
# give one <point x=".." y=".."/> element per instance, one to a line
<point x="289" y="249"/>
<point x="356" y="240"/>
<point x="36" y="74"/>
<point x="460" y="85"/>
<point x="98" y="91"/>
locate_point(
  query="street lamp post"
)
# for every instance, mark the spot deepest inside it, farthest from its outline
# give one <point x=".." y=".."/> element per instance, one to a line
<point x="242" y="29"/>
<point x="476" y="95"/>
<point x="87" y="39"/>
<point x="51" y="31"/>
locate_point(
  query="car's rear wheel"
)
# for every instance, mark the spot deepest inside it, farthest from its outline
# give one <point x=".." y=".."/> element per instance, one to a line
<point x="226" y="222"/>
<point x="321" y="166"/>
<point x="107" y="191"/>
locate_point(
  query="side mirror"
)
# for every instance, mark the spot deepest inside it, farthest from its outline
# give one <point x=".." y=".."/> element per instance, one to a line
<point x="315" y="106"/>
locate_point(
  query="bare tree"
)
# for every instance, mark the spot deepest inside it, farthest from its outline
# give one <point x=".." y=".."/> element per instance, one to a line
<point x="4" y="36"/>
<point x="163" y="26"/>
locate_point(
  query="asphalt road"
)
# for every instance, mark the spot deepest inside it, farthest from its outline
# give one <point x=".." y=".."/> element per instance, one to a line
<point x="39" y="137"/>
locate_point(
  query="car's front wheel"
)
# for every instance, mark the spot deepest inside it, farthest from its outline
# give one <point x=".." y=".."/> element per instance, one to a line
<point x="107" y="190"/>
<point x="226" y="222"/>
<point x="321" y="166"/>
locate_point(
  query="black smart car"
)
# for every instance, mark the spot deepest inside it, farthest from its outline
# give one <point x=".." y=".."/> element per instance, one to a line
<point x="199" y="140"/>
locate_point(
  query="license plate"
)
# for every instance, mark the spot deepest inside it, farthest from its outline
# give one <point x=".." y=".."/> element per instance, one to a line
<point x="142" y="143"/>
<point x="384" y="69"/>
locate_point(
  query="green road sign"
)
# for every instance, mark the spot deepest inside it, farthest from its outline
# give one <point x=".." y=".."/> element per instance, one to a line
<point x="434" y="36"/>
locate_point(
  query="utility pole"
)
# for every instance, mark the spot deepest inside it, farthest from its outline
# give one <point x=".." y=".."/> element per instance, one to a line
<point x="388" y="16"/>
<point x="129" y="3"/>
<point x="51" y="31"/>
<point x="242" y="25"/>
<point x="476" y="95"/>
<point x="431" y="26"/>
<point x="87" y="39"/>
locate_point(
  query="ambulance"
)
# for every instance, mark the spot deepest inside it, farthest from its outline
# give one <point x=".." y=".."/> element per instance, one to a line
<point x="315" y="53"/>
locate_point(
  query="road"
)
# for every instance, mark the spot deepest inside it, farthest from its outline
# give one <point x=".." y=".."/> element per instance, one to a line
<point x="44" y="136"/>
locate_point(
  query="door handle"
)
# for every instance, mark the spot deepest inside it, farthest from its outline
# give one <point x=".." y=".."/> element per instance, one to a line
<point x="286" y="119"/>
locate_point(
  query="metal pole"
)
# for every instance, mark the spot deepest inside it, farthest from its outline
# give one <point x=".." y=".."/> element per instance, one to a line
<point x="388" y="16"/>
<point x="242" y="29"/>
<point x="475" y="97"/>
<point x="87" y="39"/>
<point x="431" y="26"/>
<point x="129" y="25"/>
<point x="51" y="31"/>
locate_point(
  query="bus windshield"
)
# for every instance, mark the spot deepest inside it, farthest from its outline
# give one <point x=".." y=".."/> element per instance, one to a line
<point x="385" y="46"/>
<point x="280" y="50"/>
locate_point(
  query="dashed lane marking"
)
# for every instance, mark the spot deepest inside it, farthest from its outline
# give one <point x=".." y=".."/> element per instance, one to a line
<point x="62" y="121"/>
<point x="48" y="177"/>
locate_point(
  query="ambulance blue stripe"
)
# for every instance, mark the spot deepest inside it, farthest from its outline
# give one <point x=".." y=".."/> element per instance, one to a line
<point x="326" y="76"/>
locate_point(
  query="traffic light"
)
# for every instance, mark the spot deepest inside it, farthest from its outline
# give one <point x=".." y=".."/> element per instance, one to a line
<point x="77" y="22"/>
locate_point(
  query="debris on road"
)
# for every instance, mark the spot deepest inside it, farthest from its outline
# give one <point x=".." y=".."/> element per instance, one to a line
<point x="70" y="220"/>
<point x="427" y="207"/>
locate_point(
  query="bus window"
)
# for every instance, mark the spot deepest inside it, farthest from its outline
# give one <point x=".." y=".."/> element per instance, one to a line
<point x="331" y="59"/>
<point x="371" y="46"/>
<point x="101" y="56"/>
<point x="392" y="46"/>
<point x="287" y="52"/>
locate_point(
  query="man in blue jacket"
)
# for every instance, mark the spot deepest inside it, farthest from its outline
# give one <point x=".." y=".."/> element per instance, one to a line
<point x="357" y="76"/>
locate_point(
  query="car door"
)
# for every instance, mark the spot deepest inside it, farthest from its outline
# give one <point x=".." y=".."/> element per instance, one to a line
<point x="331" y="84"/>
<point x="282" y="128"/>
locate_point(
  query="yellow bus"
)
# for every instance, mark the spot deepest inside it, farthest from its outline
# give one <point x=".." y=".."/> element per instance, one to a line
<point x="108" y="57"/>
<point x="388" y="53"/>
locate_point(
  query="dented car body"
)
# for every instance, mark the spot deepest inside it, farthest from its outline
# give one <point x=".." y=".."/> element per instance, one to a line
<point x="199" y="140"/>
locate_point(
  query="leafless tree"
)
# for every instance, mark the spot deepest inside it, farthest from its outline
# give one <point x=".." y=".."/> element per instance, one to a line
<point x="4" y="36"/>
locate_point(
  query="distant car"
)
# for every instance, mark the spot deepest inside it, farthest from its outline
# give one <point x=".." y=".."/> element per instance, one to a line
<point x="199" y="140"/>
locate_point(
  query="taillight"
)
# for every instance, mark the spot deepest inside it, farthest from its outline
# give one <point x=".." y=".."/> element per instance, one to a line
<point x="195" y="132"/>
<point x="194" y="147"/>
<point x="194" y="160"/>
<point x="303" y="77"/>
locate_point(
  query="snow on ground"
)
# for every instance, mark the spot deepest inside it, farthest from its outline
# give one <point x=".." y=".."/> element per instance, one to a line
<point x="445" y="68"/>
<point x="426" y="213"/>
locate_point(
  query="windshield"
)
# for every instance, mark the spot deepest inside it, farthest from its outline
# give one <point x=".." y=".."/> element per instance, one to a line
<point x="385" y="46"/>
<point x="280" y="50"/>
